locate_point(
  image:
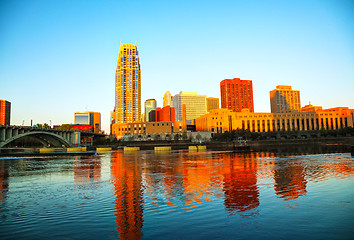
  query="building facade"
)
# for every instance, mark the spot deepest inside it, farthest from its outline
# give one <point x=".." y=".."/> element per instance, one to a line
<point x="5" y="112"/>
<point x="146" y="129"/>
<point x="236" y="94"/>
<point x="212" y="103"/>
<point x="167" y="99"/>
<point x="221" y="120"/>
<point x="88" y="118"/>
<point x="283" y="99"/>
<point x="127" y="85"/>
<point x="195" y="105"/>
<point x="149" y="105"/>
<point x="162" y="114"/>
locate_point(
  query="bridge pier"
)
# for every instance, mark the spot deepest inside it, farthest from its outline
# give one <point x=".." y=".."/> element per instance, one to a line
<point x="2" y="134"/>
<point x="9" y="133"/>
<point x="15" y="132"/>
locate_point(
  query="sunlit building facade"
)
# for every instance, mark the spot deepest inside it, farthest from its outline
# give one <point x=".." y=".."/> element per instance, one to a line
<point x="162" y="114"/>
<point x="195" y="105"/>
<point x="149" y="105"/>
<point x="5" y="112"/>
<point x="212" y="103"/>
<point x="88" y="118"/>
<point x="143" y="129"/>
<point x="236" y="94"/>
<point x="167" y="99"/>
<point x="283" y="99"/>
<point x="127" y="86"/>
<point x="221" y="120"/>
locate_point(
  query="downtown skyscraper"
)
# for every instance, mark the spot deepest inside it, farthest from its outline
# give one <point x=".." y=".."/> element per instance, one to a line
<point x="236" y="94"/>
<point x="127" y="85"/>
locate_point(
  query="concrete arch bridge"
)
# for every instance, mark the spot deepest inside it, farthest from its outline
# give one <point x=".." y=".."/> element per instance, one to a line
<point x="46" y="136"/>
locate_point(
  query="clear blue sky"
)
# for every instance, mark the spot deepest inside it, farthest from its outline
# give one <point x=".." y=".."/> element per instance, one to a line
<point x="59" y="57"/>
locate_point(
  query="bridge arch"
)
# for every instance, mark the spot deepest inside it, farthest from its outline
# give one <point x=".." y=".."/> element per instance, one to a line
<point x="44" y="137"/>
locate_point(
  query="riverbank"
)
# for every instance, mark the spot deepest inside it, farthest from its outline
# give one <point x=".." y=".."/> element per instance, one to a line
<point x="309" y="145"/>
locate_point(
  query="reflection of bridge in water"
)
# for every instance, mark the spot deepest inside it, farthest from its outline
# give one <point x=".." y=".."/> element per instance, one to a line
<point x="46" y="136"/>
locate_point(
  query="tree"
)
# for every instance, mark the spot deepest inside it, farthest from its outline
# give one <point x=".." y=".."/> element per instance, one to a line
<point x="184" y="135"/>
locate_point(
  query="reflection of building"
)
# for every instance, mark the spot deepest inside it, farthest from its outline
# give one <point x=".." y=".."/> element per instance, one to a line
<point x="4" y="185"/>
<point x="5" y="112"/>
<point x="221" y="120"/>
<point x="167" y="99"/>
<point x="212" y="103"/>
<point x="236" y="94"/>
<point x="127" y="86"/>
<point x="150" y="104"/>
<point x="195" y="105"/>
<point x="290" y="180"/>
<point x="87" y="168"/>
<point x="127" y="182"/>
<point x="283" y="98"/>
<point x="240" y="183"/>
<point x="88" y="118"/>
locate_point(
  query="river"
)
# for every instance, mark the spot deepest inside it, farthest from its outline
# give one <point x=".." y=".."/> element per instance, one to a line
<point x="178" y="195"/>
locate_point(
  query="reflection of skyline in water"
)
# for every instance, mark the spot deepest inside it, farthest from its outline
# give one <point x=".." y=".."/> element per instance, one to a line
<point x="4" y="185"/>
<point x="87" y="168"/>
<point x="126" y="178"/>
<point x="290" y="182"/>
<point x="240" y="183"/>
<point x="179" y="183"/>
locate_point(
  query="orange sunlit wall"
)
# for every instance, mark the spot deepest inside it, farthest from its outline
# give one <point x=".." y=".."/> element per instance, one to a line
<point x="5" y="112"/>
<point x="166" y="113"/>
<point x="236" y="94"/>
<point x="127" y="183"/>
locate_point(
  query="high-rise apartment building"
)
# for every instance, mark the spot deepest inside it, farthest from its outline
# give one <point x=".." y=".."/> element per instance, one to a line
<point x="5" y="112"/>
<point x="167" y="99"/>
<point x="212" y="103"/>
<point x="236" y="94"/>
<point x="150" y="105"/>
<point x="283" y="98"/>
<point x="195" y="105"/>
<point x="127" y="85"/>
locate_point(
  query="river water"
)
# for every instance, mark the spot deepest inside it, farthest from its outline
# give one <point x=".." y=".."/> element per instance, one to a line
<point x="178" y="195"/>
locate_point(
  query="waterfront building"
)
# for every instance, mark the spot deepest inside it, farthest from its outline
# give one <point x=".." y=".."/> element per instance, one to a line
<point x="283" y="99"/>
<point x="149" y="105"/>
<point x="145" y="129"/>
<point x="212" y="103"/>
<point x="236" y="94"/>
<point x="167" y="99"/>
<point x="88" y="118"/>
<point x="195" y="105"/>
<point x="127" y="86"/>
<point x="5" y="112"/>
<point x="221" y="120"/>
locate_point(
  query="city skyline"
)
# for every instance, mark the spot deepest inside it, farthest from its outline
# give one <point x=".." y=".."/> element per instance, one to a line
<point x="54" y="63"/>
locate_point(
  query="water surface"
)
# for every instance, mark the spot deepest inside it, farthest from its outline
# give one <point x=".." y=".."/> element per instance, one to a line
<point x="178" y="195"/>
